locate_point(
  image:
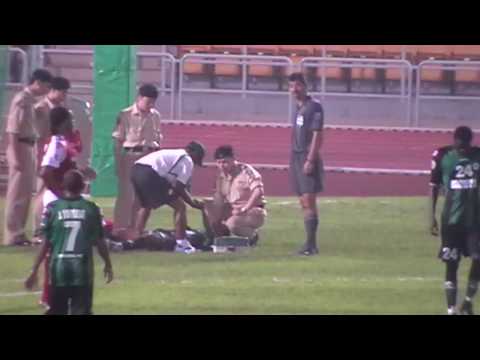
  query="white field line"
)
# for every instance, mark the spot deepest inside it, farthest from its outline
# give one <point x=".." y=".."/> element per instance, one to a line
<point x="19" y="294"/>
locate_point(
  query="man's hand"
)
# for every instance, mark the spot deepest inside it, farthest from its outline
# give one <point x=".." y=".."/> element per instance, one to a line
<point x="31" y="281"/>
<point x="108" y="273"/>
<point x="308" y="167"/>
<point x="239" y="211"/>
<point x="198" y="204"/>
<point x="434" y="227"/>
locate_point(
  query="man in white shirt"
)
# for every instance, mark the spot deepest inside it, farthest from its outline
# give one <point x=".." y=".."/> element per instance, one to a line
<point x="163" y="177"/>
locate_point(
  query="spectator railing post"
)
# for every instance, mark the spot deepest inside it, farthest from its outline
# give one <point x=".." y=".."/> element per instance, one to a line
<point x="442" y="65"/>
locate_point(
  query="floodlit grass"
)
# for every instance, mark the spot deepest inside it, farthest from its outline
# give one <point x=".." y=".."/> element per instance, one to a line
<point x="376" y="258"/>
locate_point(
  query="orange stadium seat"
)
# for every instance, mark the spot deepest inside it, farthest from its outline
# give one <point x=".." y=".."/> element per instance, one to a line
<point x="185" y="49"/>
<point x="227" y="69"/>
<point x="364" y="51"/>
<point x="296" y="52"/>
<point x="336" y="50"/>
<point x="462" y="52"/>
<point x="393" y="51"/>
<point x="430" y="52"/>
<point x="227" y="49"/>
<point x="261" y="70"/>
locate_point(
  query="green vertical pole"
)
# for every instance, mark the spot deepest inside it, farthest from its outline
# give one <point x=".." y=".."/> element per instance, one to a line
<point x="114" y="82"/>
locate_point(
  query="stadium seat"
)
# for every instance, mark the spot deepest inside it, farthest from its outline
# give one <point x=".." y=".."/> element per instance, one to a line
<point x="185" y="49"/>
<point x="393" y="51"/>
<point x="430" y="52"/>
<point x="296" y="52"/>
<point x="228" y="49"/>
<point x="261" y="70"/>
<point x="262" y="49"/>
<point x="364" y="51"/>
<point x="463" y="52"/>
<point x="336" y="73"/>
<point x="336" y="50"/>
<point x="226" y="69"/>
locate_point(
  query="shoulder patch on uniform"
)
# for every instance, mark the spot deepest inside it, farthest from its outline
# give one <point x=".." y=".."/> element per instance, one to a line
<point x="250" y="170"/>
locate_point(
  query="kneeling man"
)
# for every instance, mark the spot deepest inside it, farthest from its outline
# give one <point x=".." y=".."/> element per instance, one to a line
<point x="238" y="206"/>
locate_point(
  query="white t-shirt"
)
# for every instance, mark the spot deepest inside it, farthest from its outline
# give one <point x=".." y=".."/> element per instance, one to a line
<point x="56" y="152"/>
<point x="171" y="164"/>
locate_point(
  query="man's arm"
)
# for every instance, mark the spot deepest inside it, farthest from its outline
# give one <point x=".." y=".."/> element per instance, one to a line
<point x="314" y="151"/>
<point x="257" y="193"/>
<point x="32" y="278"/>
<point x="13" y="140"/>
<point x="436" y="184"/>
<point x="434" y="192"/>
<point x="104" y="254"/>
<point x="181" y="190"/>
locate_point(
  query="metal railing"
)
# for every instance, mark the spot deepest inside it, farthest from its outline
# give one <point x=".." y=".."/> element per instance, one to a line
<point x="24" y="72"/>
<point x="243" y="61"/>
<point x="440" y="65"/>
<point x="364" y="63"/>
<point x="162" y="56"/>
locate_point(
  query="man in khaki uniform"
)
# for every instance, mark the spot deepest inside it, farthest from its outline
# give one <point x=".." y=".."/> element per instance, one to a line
<point x="136" y="134"/>
<point x="55" y="97"/>
<point x="21" y="135"/>
<point x="238" y="206"/>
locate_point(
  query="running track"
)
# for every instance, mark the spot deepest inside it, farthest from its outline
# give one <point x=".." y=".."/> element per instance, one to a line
<point x="374" y="149"/>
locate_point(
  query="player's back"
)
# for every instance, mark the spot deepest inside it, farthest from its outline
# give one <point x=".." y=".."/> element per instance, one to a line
<point x="72" y="226"/>
<point x="460" y="177"/>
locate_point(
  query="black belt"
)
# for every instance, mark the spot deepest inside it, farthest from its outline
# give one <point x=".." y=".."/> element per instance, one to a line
<point x="26" y="140"/>
<point x="138" y="149"/>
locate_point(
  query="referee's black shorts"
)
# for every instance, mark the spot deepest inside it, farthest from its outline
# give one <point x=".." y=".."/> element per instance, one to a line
<point x="305" y="184"/>
<point x="151" y="189"/>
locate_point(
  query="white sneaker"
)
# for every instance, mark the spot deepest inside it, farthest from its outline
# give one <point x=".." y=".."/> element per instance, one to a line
<point x="114" y="246"/>
<point x="184" y="246"/>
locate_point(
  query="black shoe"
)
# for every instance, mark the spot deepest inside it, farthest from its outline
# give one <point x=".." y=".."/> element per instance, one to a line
<point x="253" y="241"/>
<point x="467" y="308"/>
<point x="23" y="241"/>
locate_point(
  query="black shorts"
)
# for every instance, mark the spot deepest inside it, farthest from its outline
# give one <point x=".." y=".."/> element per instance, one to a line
<point x="74" y="300"/>
<point x="151" y="189"/>
<point x="458" y="241"/>
<point x="301" y="183"/>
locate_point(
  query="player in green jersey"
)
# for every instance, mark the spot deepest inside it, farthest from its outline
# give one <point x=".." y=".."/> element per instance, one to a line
<point x="456" y="170"/>
<point x="71" y="226"/>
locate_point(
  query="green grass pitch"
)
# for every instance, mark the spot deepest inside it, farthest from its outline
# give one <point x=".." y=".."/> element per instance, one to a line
<point x="376" y="258"/>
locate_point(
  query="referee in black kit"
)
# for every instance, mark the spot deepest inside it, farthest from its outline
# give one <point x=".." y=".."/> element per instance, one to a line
<point x="306" y="165"/>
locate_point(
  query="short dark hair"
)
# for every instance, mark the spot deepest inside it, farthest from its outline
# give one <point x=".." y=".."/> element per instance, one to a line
<point x="464" y="134"/>
<point x="224" y="151"/>
<point x="41" y="75"/>
<point x="298" y="77"/>
<point x="196" y="148"/>
<point x="148" y="90"/>
<point x="58" y="116"/>
<point x="60" y="83"/>
<point x="73" y="181"/>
